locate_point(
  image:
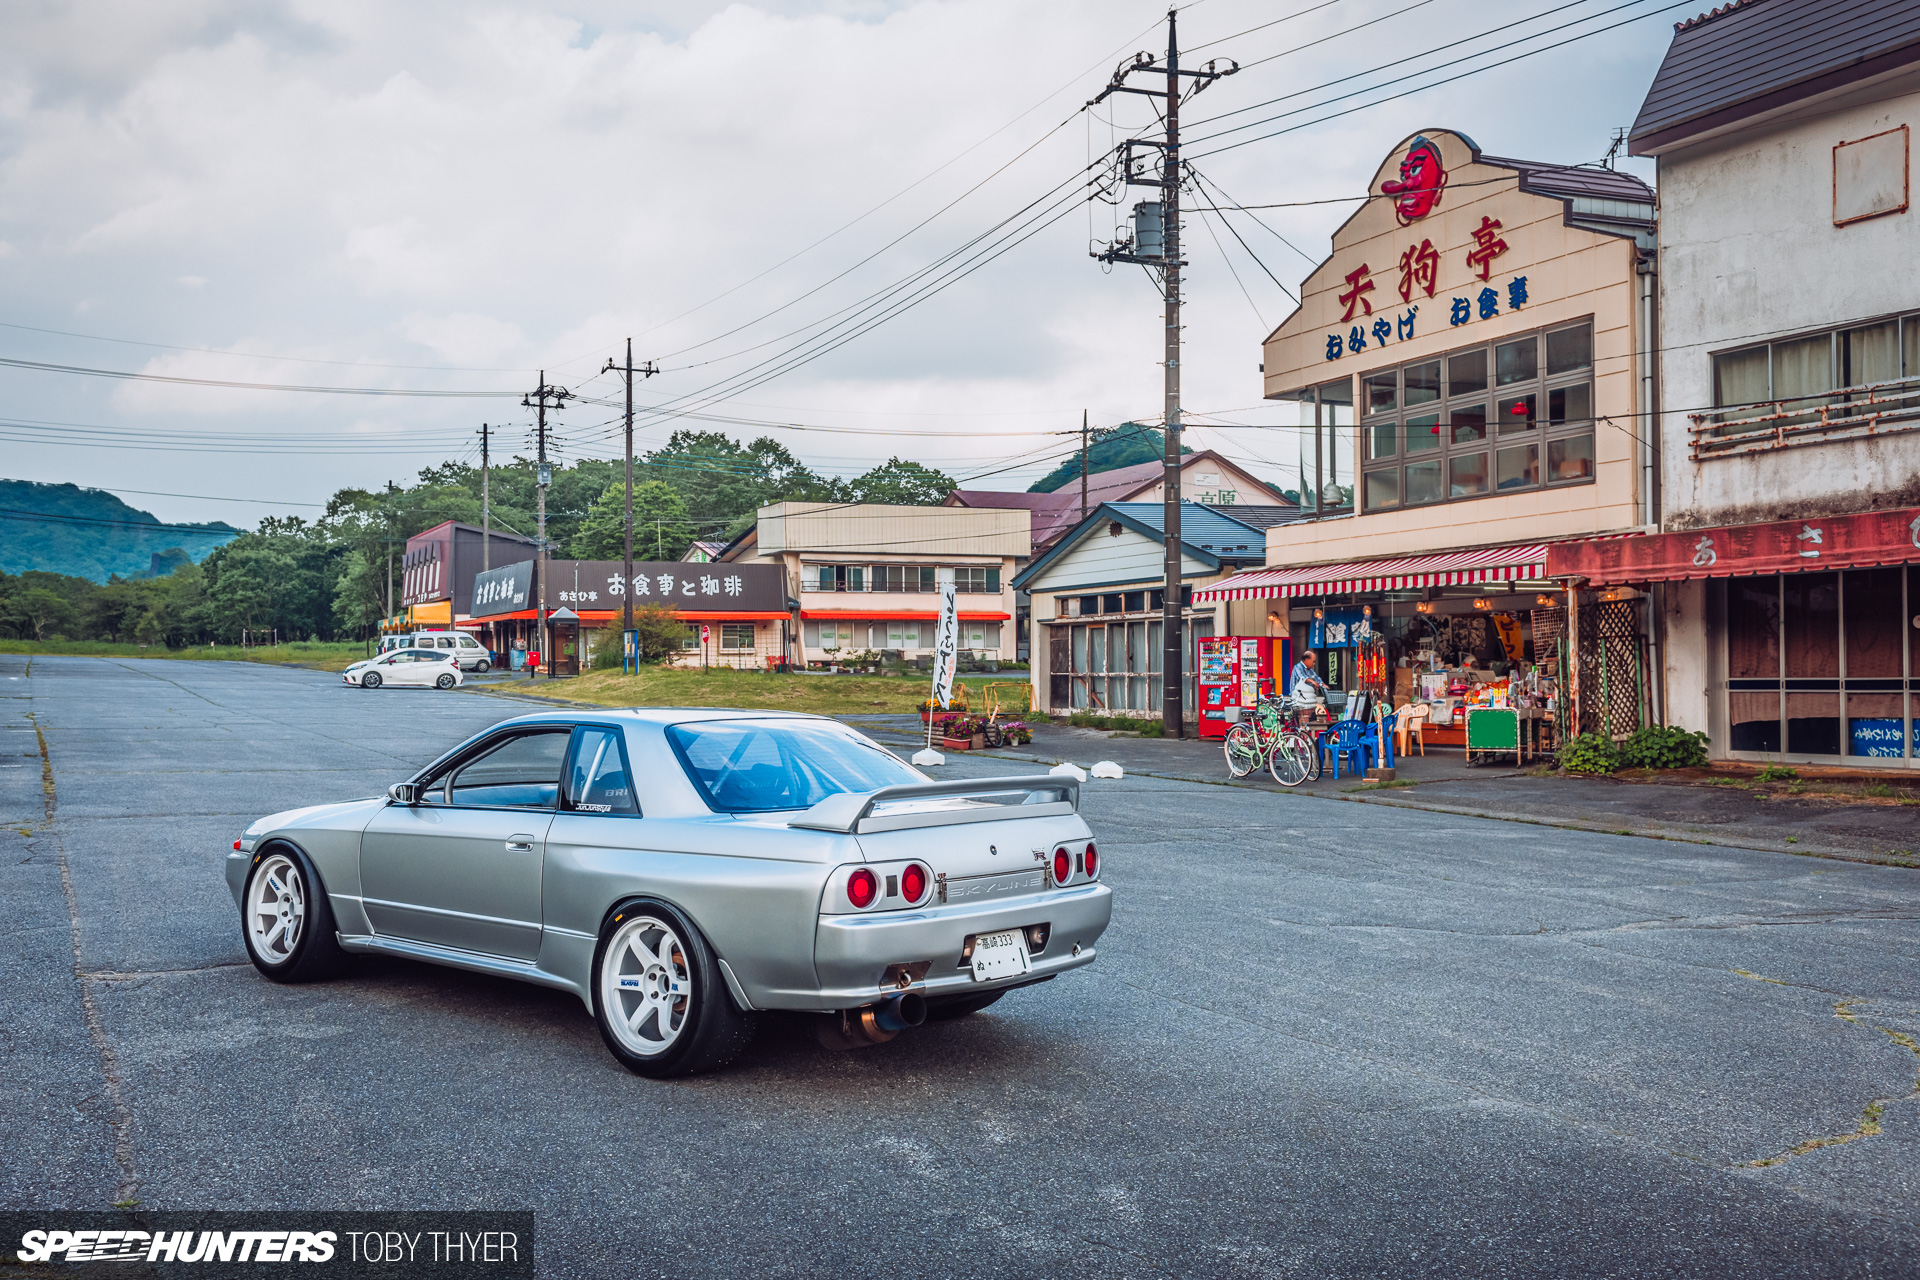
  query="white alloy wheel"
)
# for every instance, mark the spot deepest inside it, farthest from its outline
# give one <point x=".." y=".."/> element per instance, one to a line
<point x="276" y="909"/>
<point x="646" y="985"/>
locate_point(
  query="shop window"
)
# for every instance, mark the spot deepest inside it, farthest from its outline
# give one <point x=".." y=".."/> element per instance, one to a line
<point x="1423" y="433"/>
<point x="1519" y="467"/>
<point x="1423" y="383"/>
<point x="1114" y="603"/>
<point x="1111" y="666"/>
<point x="1753" y="664"/>
<point x="1516" y="413"/>
<point x="1569" y="350"/>
<point x="1467" y="373"/>
<point x="1423" y="482"/>
<point x="1383" y="441"/>
<point x="1327" y="444"/>
<point x="690" y="638"/>
<point x="736" y="636"/>
<point x="1382" y="389"/>
<point x="1570" y="459"/>
<point x="1870" y="353"/>
<point x="1570" y="404"/>
<point x="1515" y="361"/>
<point x="1815" y="663"/>
<point x="1396" y="473"/>
<point x="1089" y="605"/>
<point x="1872" y="618"/>
<point x="1469" y="423"/>
<point x="1811" y="610"/>
<point x="1383" y="489"/>
<point x="1467" y="475"/>
<point x="1136" y="601"/>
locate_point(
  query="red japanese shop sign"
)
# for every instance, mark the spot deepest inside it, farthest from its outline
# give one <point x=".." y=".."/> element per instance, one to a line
<point x="1785" y="546"/>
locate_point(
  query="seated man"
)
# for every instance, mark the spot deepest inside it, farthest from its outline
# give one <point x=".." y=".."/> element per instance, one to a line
<point x="1305" y="685"/>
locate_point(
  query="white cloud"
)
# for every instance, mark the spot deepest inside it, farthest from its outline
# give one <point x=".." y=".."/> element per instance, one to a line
<point x="493" y="184"/>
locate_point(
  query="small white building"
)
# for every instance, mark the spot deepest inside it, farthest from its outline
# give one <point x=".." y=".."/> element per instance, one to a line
<point x="1097" y="596"/>
<point x="867" y="575"/>
<point x="1787" y="566"/>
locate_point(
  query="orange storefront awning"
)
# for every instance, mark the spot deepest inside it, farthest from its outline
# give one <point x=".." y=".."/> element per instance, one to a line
<point x="608" y="615"/>
<point x="1782" y="546"/>
<point x="894" y="615"/>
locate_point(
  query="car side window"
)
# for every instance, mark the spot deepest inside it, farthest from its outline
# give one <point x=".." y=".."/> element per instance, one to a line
<point x="599" y="781"/>
<point x="446" y="643"/>
<point x="520" y="772"/>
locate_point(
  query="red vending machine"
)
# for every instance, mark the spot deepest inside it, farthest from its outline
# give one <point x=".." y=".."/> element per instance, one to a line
<point x="1232" y="672"/>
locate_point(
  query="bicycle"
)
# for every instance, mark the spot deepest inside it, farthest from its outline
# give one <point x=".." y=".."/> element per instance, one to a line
<point x="1273" y="739"/>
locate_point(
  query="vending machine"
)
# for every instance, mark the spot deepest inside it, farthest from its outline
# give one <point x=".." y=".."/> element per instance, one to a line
<point x="1233" y="671"/>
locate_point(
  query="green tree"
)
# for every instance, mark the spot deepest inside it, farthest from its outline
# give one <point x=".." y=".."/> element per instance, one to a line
<point x="1126" y="445"/>
<point x="661" y="527"/>
<point x="662" y="632"/>
<point x="898" y="483"/>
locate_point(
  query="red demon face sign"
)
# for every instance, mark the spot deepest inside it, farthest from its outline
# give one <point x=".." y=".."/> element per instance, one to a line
<point x="1422" y="177"/>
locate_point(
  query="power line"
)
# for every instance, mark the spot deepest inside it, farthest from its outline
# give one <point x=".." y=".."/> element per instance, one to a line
<point x="43" y="367"/>
<point x="1493" y="66"/>
<point x="258" y="355"/>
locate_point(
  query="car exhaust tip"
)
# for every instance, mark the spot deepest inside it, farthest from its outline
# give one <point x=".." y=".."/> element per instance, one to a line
<point x="872" y="1024"/>
<point x="897" y="1013"/>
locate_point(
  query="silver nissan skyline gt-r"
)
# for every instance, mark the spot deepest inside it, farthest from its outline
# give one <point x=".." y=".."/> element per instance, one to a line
<point x="681" y="870"/>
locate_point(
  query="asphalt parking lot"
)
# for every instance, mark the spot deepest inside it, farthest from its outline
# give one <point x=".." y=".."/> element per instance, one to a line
<point x="1321" y="1039"/>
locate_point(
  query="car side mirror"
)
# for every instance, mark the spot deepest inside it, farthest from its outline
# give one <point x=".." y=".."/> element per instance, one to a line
<point x="407" y="793"/>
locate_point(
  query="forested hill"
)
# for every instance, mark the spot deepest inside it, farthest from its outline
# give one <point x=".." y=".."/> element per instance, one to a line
<point x="88" y="533"/>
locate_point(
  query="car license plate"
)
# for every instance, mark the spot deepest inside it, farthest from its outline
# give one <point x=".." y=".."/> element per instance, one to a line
<point x="1000" y="955"/>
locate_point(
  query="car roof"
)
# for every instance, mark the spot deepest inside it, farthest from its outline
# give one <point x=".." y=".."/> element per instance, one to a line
<point x="659" y="715"/>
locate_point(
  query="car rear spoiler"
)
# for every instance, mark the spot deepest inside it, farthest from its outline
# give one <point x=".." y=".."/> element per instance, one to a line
<point x="1047" y="795"/>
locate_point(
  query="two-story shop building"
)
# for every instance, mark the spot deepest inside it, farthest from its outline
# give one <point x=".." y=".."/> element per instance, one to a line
<point x="1471" y="367"/>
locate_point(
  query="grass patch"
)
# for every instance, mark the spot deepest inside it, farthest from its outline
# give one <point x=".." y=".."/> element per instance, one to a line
<point x="1385" y="784"/>
<point x="325" y="655"/>
<point x="1776" y="773"/>
<point x="749" y="690"/>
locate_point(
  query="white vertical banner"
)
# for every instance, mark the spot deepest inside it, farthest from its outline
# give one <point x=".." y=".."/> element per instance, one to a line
<point x="946" y="640"/>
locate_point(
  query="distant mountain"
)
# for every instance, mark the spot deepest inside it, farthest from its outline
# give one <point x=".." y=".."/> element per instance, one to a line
<point x="1123" y="446"/>
<point x="89" y="533"/>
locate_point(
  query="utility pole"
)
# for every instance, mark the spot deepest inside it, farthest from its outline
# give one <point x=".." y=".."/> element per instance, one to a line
<point x="1156" y="245"/>
<point x="1083" y="464"/>
<point x="646" y="370"/>
<point x="543" y="476"/>
<point x="486" y="508"/>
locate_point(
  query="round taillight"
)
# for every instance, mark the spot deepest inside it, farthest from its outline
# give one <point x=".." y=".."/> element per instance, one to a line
<point x="862" y="888"/>
<point x="913" y="882"/>
<point x="1093" y="861"/>
<point x="1062" y="866"/>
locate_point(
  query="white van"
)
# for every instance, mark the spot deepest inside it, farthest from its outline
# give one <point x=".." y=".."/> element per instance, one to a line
<point x="468" y="652"/>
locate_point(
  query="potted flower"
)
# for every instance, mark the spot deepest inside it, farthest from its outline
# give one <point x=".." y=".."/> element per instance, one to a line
<point x="1015" y="733"/>
<point x="958" y="733"/>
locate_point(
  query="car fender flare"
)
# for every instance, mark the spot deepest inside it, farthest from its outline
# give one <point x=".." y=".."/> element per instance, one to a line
<point x="734" y="990"/>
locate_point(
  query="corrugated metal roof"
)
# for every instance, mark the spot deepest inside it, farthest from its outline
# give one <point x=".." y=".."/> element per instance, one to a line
<point x="1756" y="53"/>
<point x="1571" y="182"/>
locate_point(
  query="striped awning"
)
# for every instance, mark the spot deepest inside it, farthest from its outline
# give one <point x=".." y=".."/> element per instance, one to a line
<point x="1448" y="569"/>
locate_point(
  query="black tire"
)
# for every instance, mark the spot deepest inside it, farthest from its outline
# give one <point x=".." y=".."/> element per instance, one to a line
<point x="371" y="680"/>
<point x="711" y="1030"/>
<point x="995" y="736"/>
<point x="960" y="1006"/>
<point x="315" y="953"/>
<point x="445" y="681"/>
<point x="481" y="667"/>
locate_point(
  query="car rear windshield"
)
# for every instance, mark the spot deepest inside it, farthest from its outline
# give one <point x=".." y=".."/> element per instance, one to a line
<point x="753" y="766"/>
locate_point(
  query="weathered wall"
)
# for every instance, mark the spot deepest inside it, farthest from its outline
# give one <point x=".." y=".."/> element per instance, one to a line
<point x="1748" y="250"/>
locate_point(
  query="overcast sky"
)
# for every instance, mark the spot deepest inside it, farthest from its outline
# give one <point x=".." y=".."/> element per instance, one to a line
<point x="451" y="196"/>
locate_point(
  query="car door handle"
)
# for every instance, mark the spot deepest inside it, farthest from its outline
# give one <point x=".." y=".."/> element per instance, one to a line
<point x="519" y="844"/>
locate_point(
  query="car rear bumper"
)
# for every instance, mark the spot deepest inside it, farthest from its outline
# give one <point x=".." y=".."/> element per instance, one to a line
<point x="853" y="954"/>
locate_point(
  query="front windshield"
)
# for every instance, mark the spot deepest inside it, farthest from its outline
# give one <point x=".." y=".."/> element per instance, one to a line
<point x="754" y="766"/>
